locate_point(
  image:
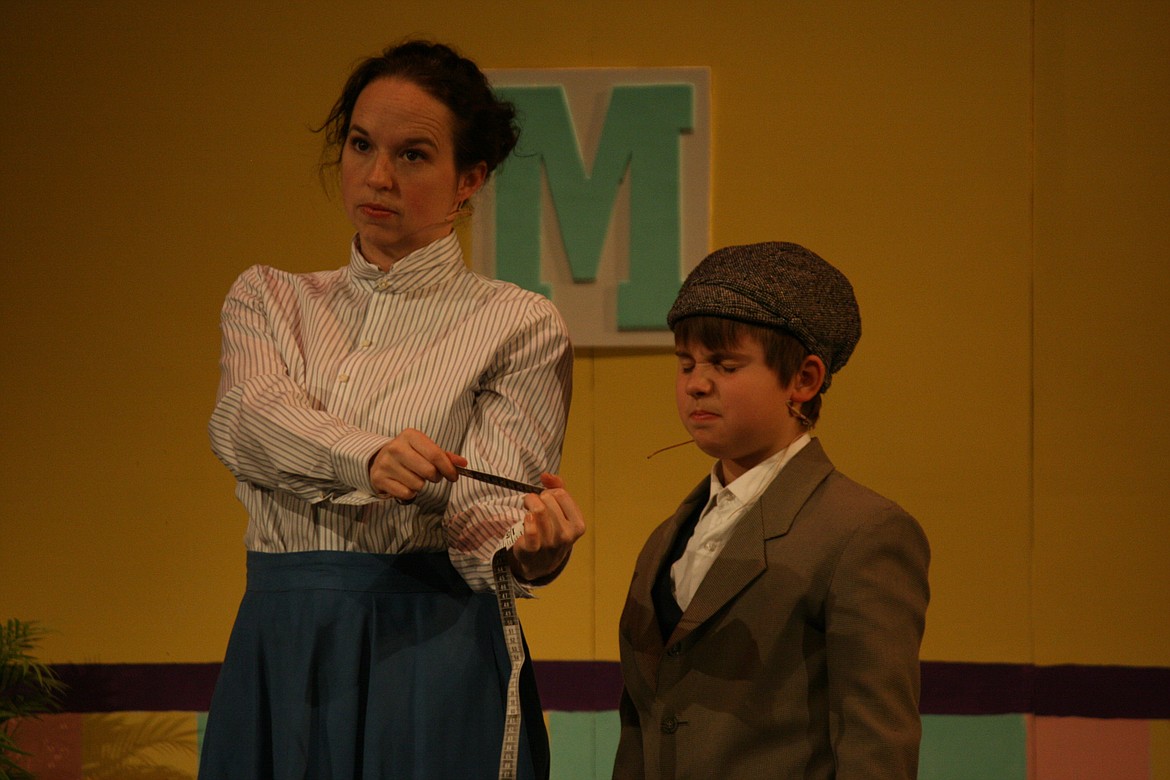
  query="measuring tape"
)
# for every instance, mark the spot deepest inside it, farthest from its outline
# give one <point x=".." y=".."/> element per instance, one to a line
<point x="510" y="749"/>
<point x="502" y="574"/>
<point x="513" y="638"/>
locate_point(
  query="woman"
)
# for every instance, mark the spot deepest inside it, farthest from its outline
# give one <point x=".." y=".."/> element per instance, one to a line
<point x="369" y="642"/>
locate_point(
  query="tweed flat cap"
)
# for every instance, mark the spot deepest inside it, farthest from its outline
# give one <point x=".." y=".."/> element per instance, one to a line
<point x="777" y="285"/>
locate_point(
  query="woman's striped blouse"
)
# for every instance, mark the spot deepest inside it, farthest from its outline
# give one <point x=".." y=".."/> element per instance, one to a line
<point x="320" y="370"/>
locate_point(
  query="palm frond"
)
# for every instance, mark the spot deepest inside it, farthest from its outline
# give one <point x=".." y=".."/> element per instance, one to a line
<point x="28" y="688"/>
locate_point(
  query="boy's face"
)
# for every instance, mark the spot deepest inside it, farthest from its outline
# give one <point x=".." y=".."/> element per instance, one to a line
<point x="733" y="404"/>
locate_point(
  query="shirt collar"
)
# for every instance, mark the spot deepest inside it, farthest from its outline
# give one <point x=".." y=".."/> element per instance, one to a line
<point x="436" y="262"/>
<point x="749" y="485"/>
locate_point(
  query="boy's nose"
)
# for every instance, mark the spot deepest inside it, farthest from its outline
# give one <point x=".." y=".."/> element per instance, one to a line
<point x="698" y="384"/>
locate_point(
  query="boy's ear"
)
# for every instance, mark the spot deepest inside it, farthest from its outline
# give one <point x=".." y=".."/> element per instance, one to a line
<point x="808" y="380"/>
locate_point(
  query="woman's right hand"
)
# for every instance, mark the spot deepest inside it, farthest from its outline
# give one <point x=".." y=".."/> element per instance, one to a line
<point x="407" y="462"/>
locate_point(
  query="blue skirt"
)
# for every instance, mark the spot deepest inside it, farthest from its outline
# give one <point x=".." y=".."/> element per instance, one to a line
<point x="355" y="665"/>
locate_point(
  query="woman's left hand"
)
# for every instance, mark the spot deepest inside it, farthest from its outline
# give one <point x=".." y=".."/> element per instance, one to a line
<point x="553" y="524"/>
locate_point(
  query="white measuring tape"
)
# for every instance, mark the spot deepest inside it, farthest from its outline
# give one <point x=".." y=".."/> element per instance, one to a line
<point x="506" y="599"/>
<point x="502" y="574"/>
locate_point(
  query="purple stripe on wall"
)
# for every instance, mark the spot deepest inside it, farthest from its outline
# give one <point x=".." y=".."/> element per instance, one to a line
<point x="1103" y="691"/>
<point x="976" y="689"/>
<point x="138" y="687"/>
<point x="948" y="688"/>
<point x="579" y="686"/>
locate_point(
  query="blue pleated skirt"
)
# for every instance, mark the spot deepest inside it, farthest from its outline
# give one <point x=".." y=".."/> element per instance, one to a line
<point x="355" y="665"/>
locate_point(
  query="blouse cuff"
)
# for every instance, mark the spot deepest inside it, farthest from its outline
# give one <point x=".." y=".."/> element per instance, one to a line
<point x="351" y="458"/>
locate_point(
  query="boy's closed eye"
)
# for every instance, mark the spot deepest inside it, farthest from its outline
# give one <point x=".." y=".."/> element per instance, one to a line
<point x="721" y="362"/>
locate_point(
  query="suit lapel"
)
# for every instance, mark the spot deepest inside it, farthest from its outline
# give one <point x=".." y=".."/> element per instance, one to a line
<point x="743" y="559"/>
<point x="787" y="494"/>
<point x="643" y="620"/>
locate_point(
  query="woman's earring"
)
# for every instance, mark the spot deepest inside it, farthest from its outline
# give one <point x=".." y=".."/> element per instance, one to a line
<point x="461" y="210"/>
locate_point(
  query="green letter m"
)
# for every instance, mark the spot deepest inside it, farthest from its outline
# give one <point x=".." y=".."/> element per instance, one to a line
<point x="641" y="133"/>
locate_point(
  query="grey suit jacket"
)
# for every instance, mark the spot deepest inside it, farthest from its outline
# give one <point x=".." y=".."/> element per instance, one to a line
<point x="798" y="656"/>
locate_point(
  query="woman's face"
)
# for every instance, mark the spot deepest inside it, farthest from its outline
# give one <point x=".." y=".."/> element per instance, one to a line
<point x="398" y="177"/>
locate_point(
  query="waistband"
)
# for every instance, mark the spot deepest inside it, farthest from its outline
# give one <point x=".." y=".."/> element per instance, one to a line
<point x="356" y="571"/>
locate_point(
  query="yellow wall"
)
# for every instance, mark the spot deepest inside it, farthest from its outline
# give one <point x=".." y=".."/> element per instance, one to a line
<point x="993" y="176"/>
<point x="1101" y="577"/>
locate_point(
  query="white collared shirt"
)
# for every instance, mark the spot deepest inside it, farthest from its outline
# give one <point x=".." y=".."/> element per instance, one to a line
<point x="726" y="507"/>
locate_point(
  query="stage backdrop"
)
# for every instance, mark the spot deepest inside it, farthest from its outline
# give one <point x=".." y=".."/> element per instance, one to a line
<point x="992" y="176"/>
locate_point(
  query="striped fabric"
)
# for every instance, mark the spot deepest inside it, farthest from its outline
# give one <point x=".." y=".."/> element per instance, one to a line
<point x="320" y="370"/>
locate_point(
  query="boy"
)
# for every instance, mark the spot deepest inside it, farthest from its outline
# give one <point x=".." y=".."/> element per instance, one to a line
<point x="773" y="624"/>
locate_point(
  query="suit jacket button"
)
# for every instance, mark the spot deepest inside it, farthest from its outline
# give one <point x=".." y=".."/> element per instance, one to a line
<point x="674" y="650"/>
<point x="669" y="724"/>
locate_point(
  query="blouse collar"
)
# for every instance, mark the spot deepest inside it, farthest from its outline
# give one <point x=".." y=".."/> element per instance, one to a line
<point x="434" y="263"/>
